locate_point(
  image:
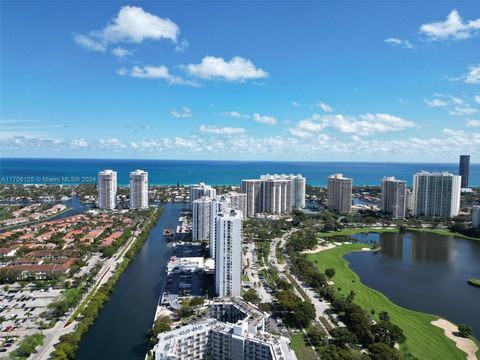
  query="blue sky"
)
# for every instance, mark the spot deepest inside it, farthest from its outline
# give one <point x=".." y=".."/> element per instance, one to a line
<point x="366" y="81"/>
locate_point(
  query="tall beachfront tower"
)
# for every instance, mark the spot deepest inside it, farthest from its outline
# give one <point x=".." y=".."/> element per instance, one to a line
<point x="107" y="189"/>
<point x="201" y="218"/>
<point x="274" y="194"/>
<point x="436" y="194"/>
<point x="464" y="169"/>
<point x="196" y="191"/>
<point x="138" y="189"/>
<point x="228" y="253"/>
<point x="394" y="196"/>
<point x="339" y="193"/>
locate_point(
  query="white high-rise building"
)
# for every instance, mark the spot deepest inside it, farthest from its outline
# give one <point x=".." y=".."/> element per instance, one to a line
<point x="339" y="193"/>
<point x="275" y="194"/>
<point x="228" y="253"/>
<point x="476" y="216"/>
<point x="238" y="201"/>
<point x="436" y="194"/>
<point x="220" y="203"/>
<point x="107" y="189"/>
<point x="196" y="191"/>
<point x="393" y="199"/>
<point x="253" y="189"/>
<point x="201" y="218"/>
<point x="138" y="189"/>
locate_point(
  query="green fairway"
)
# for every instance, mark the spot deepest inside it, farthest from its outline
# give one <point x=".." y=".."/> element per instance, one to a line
<point x="348" y="232"/>
<point x="301" y="347"/>
<point x="424" y="340"/>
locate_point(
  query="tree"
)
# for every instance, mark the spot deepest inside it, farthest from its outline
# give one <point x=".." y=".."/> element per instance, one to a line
<point x="316" y="335"/>
<point x="384" y="316"/>
<point x="197" y="301"/>
<point x="342" y="337"/>
<point x="465" y="330"/>
<point x="251" y="296"/>
<point x="330" y="273"/>
<point x="162" y="324"/>
<point x="388" y="333"/>
<point x="350" y="297"/>
<point x="185" y="311"/>
<point x="381" y="351"/>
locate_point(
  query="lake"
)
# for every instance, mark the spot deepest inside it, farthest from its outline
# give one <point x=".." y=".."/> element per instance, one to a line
<point x="424" y="272"/>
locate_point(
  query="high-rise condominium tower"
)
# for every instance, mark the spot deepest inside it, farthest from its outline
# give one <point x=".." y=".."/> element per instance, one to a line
<point x="107" y="189"/>
<point x="139" y="189"/>
<point x="464" y="169"/>
<point x="436" y="194"/>
<point x="228" y="253"/>
<point x="274" y="194"/>
<point x="201" y="218"/>
<point x="394" y="197"/>
<point x="339" y="193"/>
<point x="196" y="191"/>
<point x="476" y="216"/>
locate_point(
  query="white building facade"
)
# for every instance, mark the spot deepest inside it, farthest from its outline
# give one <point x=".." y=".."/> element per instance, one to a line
<point x="394" y="197"/>
<point x="196" y="191"/>
<point x="339" y="193"/>
<point x="138" y="189"/>
<point x="107" y="189"/>
<point x="201" y="218"/>
<point x="436" y="194"/>
<point x="228" y="252"/>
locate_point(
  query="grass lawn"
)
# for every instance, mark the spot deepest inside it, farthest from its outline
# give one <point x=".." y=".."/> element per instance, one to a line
<point x="301" y="347"/>
<point x="348" y="232"/>
<point x="424" y="340"/>
<point x="444" y="232"/>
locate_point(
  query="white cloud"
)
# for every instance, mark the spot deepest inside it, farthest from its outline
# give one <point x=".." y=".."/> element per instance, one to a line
<point x="473" y="123"/>
<point x="324" y="107"/>
<point x="79" y="143"/>
<point x="473" y="75"/>
<point x="263" y="119"/>
<point x="452" y="28"/>
<point x="477" y="98"/>
<point x="155" y="72"/>
<point x="363" y="125"/>
<point x="89" y="43"/>
<point x="131" y="25"/>
<point x="237" y="69"/>
<point x="297" y="104"/>
<point x="182" y="45"/>
<point x="221" y="130"/>
<point x="463" y="111"/>
<point x="405" y="44"/>
<point x="184" y="113"/>
<point x="436" y="103"/>
<point x="121" y="52"/>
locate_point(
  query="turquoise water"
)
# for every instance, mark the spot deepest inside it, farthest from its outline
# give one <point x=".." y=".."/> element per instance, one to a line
<point x="166" y="172"/>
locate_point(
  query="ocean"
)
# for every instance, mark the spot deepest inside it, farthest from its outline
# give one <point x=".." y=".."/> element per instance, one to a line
<point x="184" y="172"/>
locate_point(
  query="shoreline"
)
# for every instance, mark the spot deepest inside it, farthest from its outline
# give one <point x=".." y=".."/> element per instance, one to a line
<point x="416" y="325"/>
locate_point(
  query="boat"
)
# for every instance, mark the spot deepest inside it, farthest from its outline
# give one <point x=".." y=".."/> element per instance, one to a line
<point x="168" y="232"/>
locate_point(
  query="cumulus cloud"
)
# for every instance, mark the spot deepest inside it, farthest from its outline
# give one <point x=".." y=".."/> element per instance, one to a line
<point x="453" y="28"/>
<point x="463" y="111"/>
<point x="131" y="25"/>
<point x="216" y="68"/>
<point x="184" y="113"/>
<point x="324" y="107"/>
<point x="473" y="75"/>
<point x="263" y="119"/>
<point x="363" y="125"/>
<point x="155" y="72"/>
<point x="121" y="52"/>
<point x="436" y="102"/>
<point x="221" y="130"/>
<point x="405" y="44"/>
<point x="473" y="123"/>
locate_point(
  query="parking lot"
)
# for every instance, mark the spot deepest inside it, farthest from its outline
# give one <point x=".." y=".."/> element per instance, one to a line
<point x="20" y="309"/>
